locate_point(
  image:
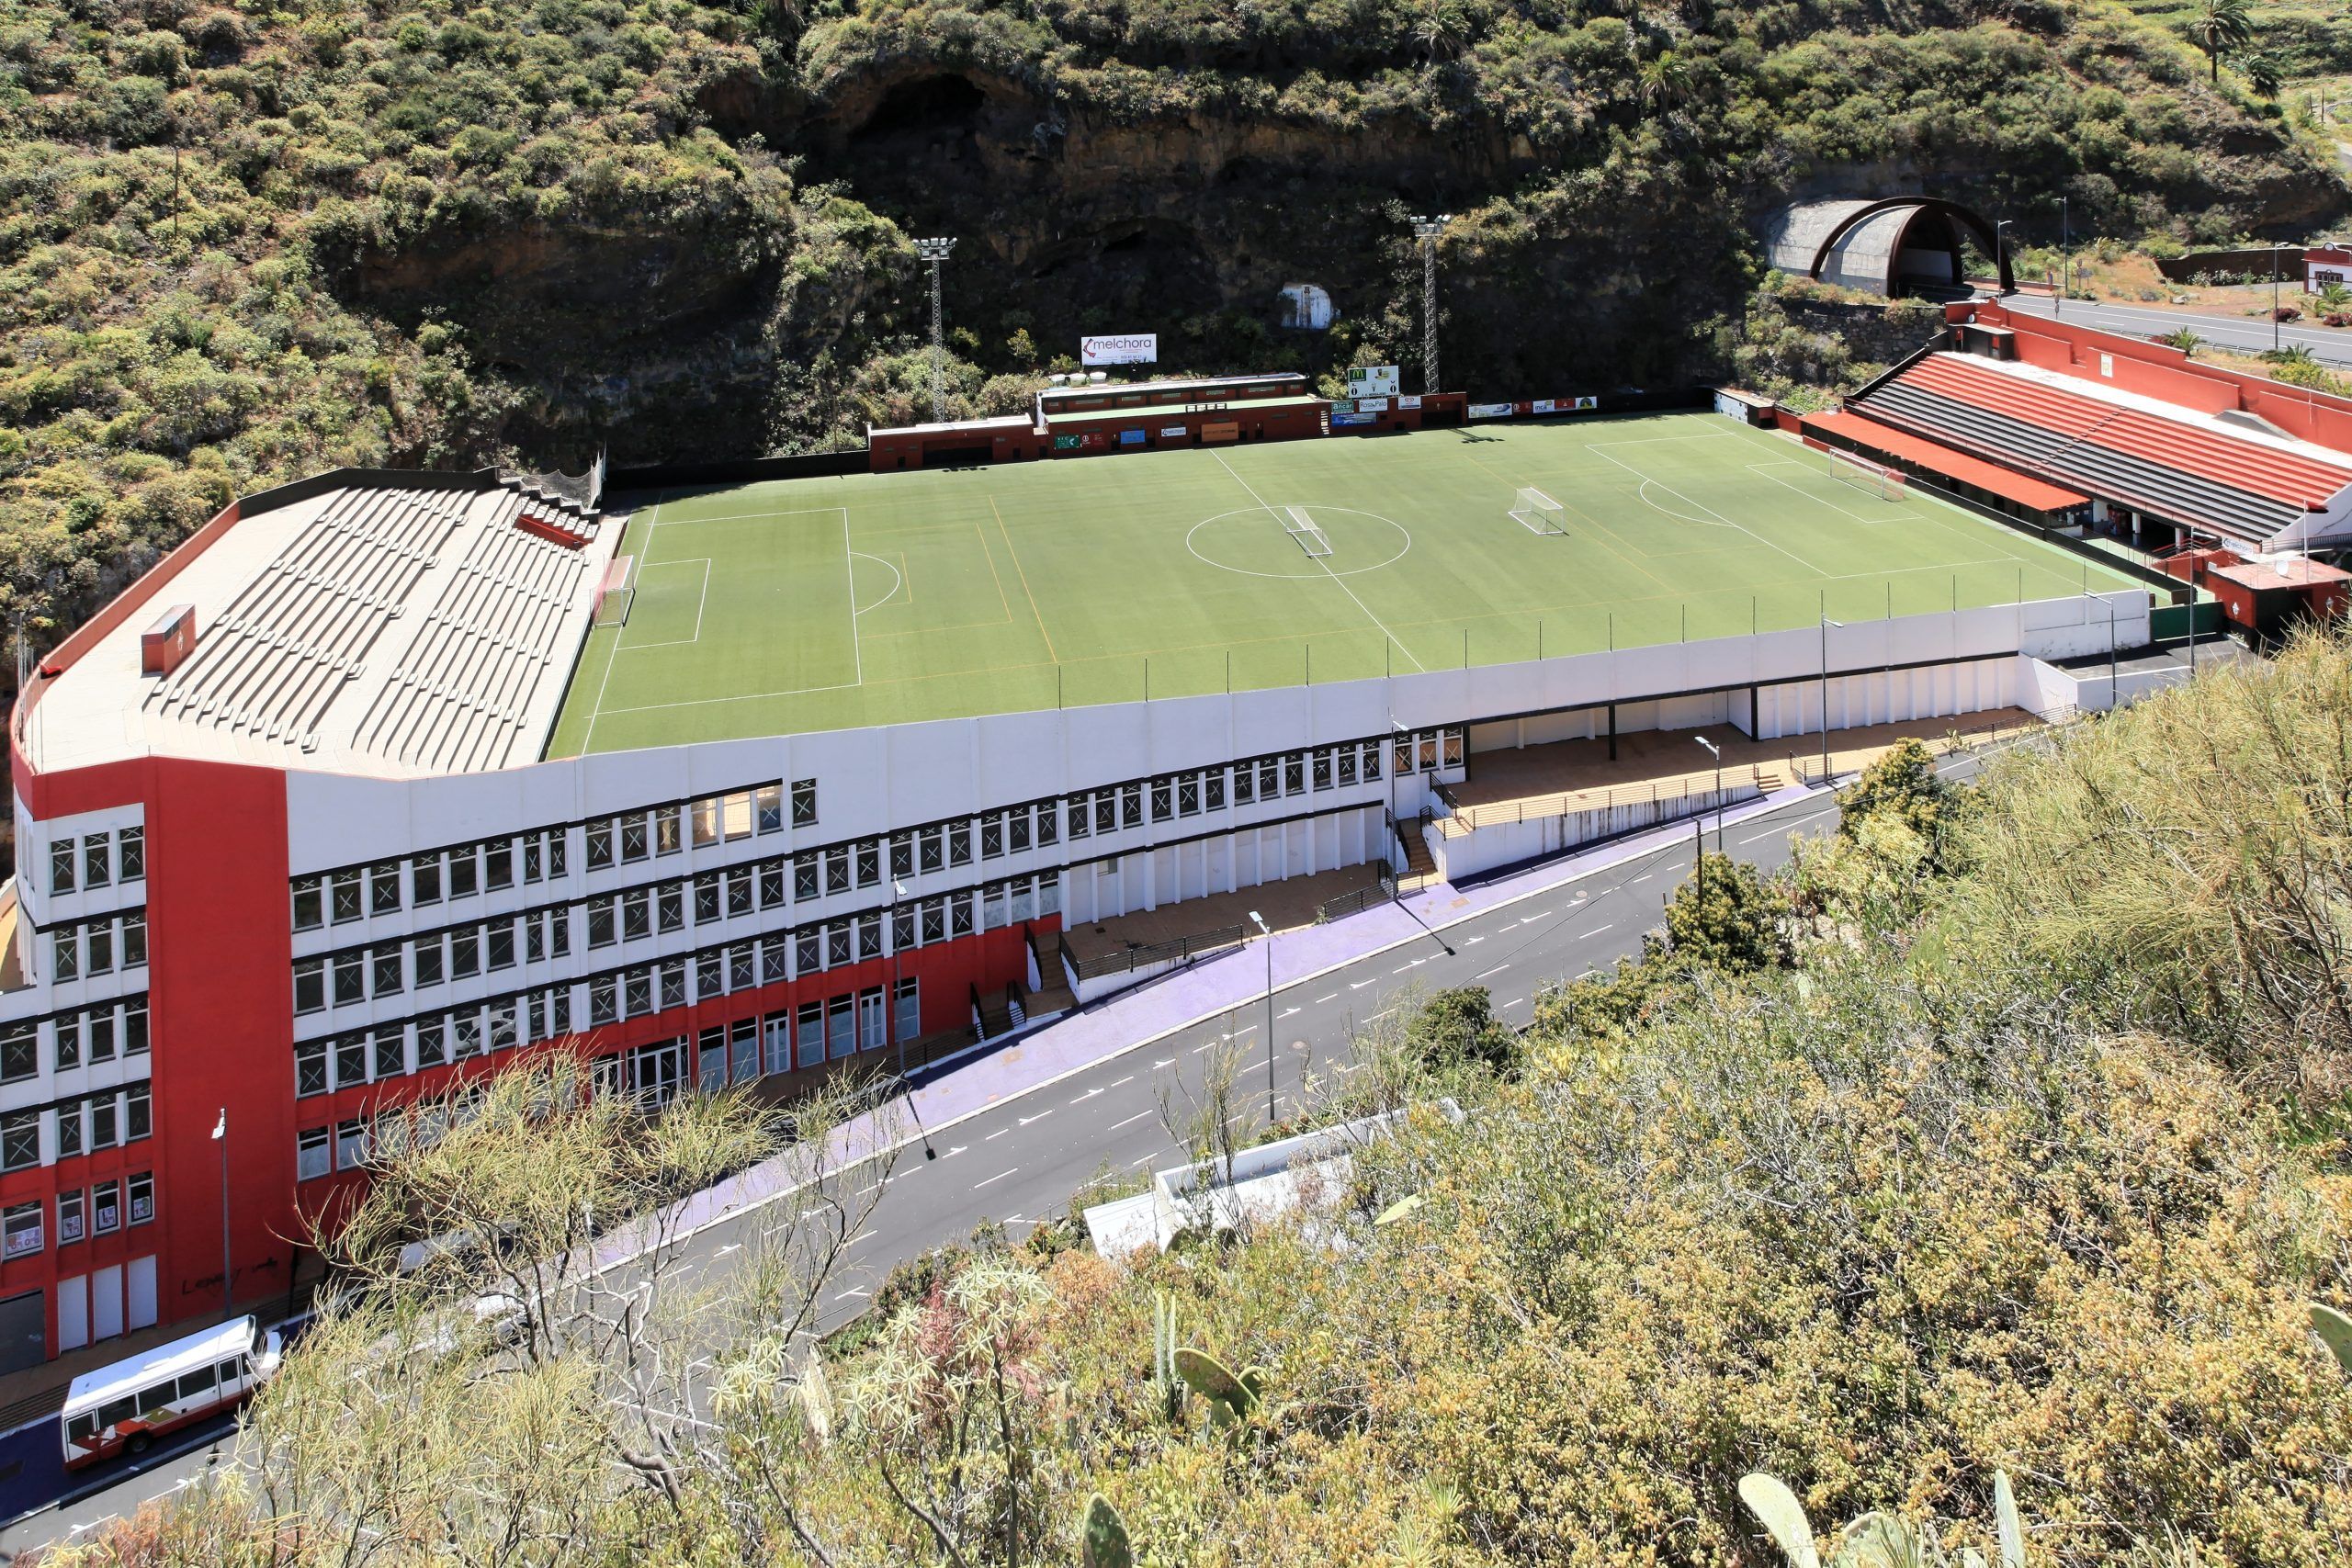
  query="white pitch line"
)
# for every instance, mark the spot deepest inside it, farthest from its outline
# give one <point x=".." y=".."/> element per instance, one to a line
<point x="849" y="572"/>
<point x="1318" y="561"/>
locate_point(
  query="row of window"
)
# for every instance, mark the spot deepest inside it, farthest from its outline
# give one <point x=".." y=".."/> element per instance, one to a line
<point x="631" y="837"/>
<point x="421" y="881"/>
<point x="68" y="1040"/>
<point x="460" y="952"/>
<point x="419" y="1045"/>
<point x="101" y="1121"/>
<point x="355" y="975"/>
<point x="98" y="947"/>
<point x="99" y="1210"/>
<point x="809" y="1035"/>
<point x="98" y="860"/>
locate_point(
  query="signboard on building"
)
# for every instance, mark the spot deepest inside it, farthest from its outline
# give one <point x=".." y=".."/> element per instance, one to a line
<point x="1173" y="433"/>
<point x="1343" y="405"/>
<point x="1065" y="442"/>
<point x="1131" y="438"/>
<point x="1127" y="348"/>
<point x="1490" y="410"/>
<point x="1373" y="381"/>
<point x="1544" y="405"/>
<point x="1342" y="420"/>
<point x="1372" y="405"/>
<point x="1412" y="401"/>
<point x="1221" y="430"/>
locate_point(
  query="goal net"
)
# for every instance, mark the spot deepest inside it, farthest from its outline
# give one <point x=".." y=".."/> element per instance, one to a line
<point x="1862" y="474"/>
<point x="1539" y="513"/>
<point x="619" y="593"/>
<point x="1300" y="526"/>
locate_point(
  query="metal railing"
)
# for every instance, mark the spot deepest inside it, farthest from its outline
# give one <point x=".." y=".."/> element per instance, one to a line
<point x="1808" y="770"/>
<point x="1569" y="803"/>
<point x="1137" y="955"/>
<point x="1378" y="891"/>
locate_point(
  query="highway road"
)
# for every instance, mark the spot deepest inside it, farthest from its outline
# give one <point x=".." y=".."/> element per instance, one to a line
<point x="2245" y="334"/>
<point x="1018" y="1161"/>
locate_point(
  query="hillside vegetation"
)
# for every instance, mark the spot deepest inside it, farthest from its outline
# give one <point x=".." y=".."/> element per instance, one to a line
<point x="2005" y="1132"/>
<point x="242" y="241"/>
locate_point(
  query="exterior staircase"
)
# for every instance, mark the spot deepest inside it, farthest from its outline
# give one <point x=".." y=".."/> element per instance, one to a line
<point x="1420" y="867"/>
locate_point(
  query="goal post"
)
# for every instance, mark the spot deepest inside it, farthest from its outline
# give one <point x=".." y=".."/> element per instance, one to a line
<point x="1848" y="467"/>
<point x="618" y="591"/>
<point x="1300" y="526"/>
<point x="1538" y="514"/>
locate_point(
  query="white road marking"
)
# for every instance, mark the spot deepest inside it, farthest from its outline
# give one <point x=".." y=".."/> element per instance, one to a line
<point x="1287" y="1011"/>
<point x="1358" y="985"/>
<point x="1000" y="1176"/>
<point x="1496" y="970"/>
<point x="1129" y="1079"/>
<point x="1039" y="1117"/>
<point x="1000" y="1132"/>
<point x="853" y="1291"/>
<point x="1597" y="930"/>
<point x="1129" y="1121"/>
<point x="1514" y="1001"/>
<point x="1089" y="1094"/>
<point x="1164" y="1062"/>
<point x="1471" y="942"/>
<point x="1320" y="1000"/>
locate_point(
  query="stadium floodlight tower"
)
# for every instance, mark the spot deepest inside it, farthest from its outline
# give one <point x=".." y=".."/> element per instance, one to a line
<point x="1427" y="230"/>
<point x="934" y="251"/>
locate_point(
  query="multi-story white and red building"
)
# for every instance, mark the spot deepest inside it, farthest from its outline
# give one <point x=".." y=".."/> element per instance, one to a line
<point x="290" y="849"/>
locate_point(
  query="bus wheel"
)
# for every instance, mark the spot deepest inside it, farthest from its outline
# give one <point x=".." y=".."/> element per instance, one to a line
<point x="137" y="1445"/>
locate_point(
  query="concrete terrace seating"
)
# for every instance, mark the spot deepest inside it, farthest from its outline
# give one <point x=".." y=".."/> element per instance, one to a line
<point x="272" y="663"/>
<point x="463" y="693"/>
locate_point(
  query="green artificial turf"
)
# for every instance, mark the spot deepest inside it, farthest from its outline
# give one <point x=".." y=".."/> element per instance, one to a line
<point x="827" y="604"/>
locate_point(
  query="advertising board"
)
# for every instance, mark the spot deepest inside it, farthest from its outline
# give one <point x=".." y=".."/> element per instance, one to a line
<point x="1124" y="348"/>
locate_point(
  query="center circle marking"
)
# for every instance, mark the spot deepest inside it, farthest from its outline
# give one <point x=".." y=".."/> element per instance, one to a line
<point x="1309" y="566"/>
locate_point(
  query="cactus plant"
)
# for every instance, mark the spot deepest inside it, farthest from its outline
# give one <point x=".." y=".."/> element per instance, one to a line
<point x="1875" y="1540"/>
<point x="1102" y="1537"/>
<point x="1401" y="1208"/>
<point x="2334" y="1331"/>
<point x="1163" y="1354"/>
<point x="1231" y="1399"/>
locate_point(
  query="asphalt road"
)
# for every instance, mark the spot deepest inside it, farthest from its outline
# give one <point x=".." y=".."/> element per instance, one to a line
<point x="2242" y="333"/>
<point x="1018" y="1162"/>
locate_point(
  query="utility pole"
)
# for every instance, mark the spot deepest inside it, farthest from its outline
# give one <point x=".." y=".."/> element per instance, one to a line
<point x="1266" y="937"/>
<point x="220" y="1136"/>
<point x="1428" y="229"/>
<point x="2065" y="256"/>
<point x="1825" y="624"/>
<point x="934" y="251"/>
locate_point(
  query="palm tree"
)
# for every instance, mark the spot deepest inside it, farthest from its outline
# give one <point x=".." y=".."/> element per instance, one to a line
<point x="1665" y="81"/>
<point x="2263" y="72"/>
<point x="2220" y="26"/>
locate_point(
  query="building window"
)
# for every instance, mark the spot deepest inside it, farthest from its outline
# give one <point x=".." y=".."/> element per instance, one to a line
<point x="603" y="999"/>
<point x="803" y="878"/>
<point x="69" y="1131"/>
<point x="431" y="1043"/>
<point x="134" y="941"/>
<point x="600" y="845"/>
<point x="61" y="866"/>
<point x="69" y="1217"/>
<point x="97" y="862"/>
<point x="350" y="980"/>
<point x="1106" y="811"/>
<point x="387" y="963"/>
<point x="991" y="837"/>
<point x="101" y="1034"/>
<point x="426" y="956"/>
<point x="870" y="862"/>
<point x="20" y="1140"/>
<point x="771" y="885"/>
<point x="343" y="897"/>
<point x="534" y="858"/>
<point x="350" y="1144"/>
<point x="142" y="1188"/>
<point x="498" y="864"/>
<point x="1080" y="822"/>
<point x="465" y="954"/>
<point x="106" y="1208"/>
<point x="104" y="1122"/>
<point x="310" y="1067"/>
<point x="1454" y="748"/>
<point x="1294" y="774"/>
<point x="134" y="1029"/>
<point x="635" y="845"/>
<point x="313" y="1156"/>
<point x="1188" y="796"/>
<point x="959" y="843"/>
<point x="1162" y="801"/>
<point x="1322" y="770"/>
<point x="1213" y="789"/>
<point x="465" y="872"/>
<point x="424" y="879"/>
<point x="767" y="805"/>
<point x="391" y="1052"/>
<point x="600" y="923"/>
<point x="311" y="985"/>
<point x="738" y="892"/>
<point x="1347" y="766"/>
<point x="637" y="914"/>
<point x="69" y="1041"/>
<point x="909" y="1009"/>
<point x="804" y="803"/>
<point x="97" y="949"/>
<point x="1131" y="805"/>
<point x="21" y="1051"/>
<point x="20" y="1226"/>
<point x="309" y="905"/>
<point x="706" y="823"/>
<point x="65" y="955"/>
<point x="138" y="1113"/>
<point x="384" y="888"/>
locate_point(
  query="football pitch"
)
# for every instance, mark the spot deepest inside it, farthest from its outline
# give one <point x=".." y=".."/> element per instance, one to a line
<point x="826" y="603"/>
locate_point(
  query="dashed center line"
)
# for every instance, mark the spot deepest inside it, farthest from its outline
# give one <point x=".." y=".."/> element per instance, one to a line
<point x="1358" y="985"/>
<point x="1596" y="931"/>
<point x="1129" y="1121"/>
<point x="1000" y="1176"/>
<point x="1320" y="1000"/>
<point x="1496" y="970"/>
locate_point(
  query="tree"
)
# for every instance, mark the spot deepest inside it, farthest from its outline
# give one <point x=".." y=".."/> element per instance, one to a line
<point x="2188" y="342"/>
<point x="1664" y="82"/>
<point x="2221" y="25"/>
<point x="2264" y="73"/>
<point x="1901" y="784"/>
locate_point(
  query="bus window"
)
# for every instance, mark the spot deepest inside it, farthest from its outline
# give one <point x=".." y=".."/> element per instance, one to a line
<point x="230" y="1370"/>
<point x="115" y="1412"/>
<point x="82" y="1432"/>
<point x="156" y="1401"/>
<point x="197" y="1383"/>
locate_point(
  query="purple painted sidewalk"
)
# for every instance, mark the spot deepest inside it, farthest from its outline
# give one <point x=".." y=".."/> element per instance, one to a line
<point x="961" y="1086"/>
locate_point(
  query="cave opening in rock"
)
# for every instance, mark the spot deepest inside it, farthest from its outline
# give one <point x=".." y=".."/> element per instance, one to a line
<point x="926" y="105"/>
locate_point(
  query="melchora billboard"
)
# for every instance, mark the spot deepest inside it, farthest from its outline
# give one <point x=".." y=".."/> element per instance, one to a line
<point x="1128" y="348"/>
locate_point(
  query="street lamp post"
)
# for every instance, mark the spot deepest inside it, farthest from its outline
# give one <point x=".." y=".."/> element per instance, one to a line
<point x="2274" y="297"/>
<point x="934" y="251"/>
<point x="1427" y="230"/>
<point x="220" y="1136"/>
<point x="1266" y="932"/>
<point x="2065" y="257"/>
<point x="2000" y="249"/>
<point x="1825" y="624"/>
<point x="1714" y="752"/>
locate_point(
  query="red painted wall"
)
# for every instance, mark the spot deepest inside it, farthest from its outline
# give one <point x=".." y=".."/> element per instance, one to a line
<point x="221" y="994"/>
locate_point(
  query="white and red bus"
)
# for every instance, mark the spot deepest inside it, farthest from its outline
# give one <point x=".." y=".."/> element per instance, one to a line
<point x="123" y="1407"/>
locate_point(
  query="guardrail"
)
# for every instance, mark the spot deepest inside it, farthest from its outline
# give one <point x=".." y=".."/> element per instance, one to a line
<point x="1142" y="956"/>
<point x="1567" y="803"/>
